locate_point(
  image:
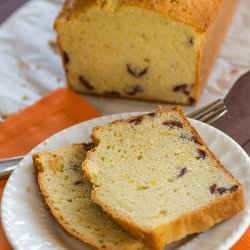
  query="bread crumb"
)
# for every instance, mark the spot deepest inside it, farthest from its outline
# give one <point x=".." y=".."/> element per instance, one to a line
<point x="234" y="70"/>
<point x="54" y="46"/>
<point x="3" y="116"/>
<point x="38" y="66"/>
<point x="169" y="179"/>
<point x="25" y="98"/>
<point x="29" y="189"/>
<point x="213" y="170"/>
<point x="153" y="182"/>
<point x="23" y="64"/>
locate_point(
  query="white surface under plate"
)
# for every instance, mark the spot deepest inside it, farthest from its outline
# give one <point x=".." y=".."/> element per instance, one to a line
<point x="28" y="224"/>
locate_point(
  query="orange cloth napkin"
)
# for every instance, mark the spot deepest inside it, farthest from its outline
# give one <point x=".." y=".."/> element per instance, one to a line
<point x="56" y="111"/>
<point x="23" y="131"/>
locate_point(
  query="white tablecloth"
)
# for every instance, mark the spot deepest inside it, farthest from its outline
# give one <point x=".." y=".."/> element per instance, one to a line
<point x="29" y="68"/>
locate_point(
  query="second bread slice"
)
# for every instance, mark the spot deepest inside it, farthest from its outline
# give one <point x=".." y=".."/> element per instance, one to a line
<point x="67" y="195"/>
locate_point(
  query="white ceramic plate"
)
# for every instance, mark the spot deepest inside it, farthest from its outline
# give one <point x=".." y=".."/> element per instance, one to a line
<point x="28" y="224"/>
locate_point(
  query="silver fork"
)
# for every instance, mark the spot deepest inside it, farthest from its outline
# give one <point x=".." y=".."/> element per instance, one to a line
<point x="207" y="114"/>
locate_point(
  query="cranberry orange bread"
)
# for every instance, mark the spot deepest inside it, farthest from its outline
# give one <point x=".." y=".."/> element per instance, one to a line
<point x="67" y="195"/>
<point x="156" y="177"/>
<point x="142" y="49"/>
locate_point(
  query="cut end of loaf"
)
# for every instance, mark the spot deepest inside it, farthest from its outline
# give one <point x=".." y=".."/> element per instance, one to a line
<point x="130" y="52"/>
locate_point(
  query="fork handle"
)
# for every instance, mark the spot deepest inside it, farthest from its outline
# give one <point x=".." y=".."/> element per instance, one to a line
<point x="8" y="165"/>
<point x="6" y="171"/>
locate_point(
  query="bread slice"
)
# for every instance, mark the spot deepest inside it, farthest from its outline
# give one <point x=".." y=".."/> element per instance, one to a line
<point x="156" y="177"/>
<point x="67" y="195"/>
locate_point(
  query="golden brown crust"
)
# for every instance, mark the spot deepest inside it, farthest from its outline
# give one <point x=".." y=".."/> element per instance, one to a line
<point x="198" y="13"/>
<point x="211" y="42"/>
<point x="72" y="8"/>
<point x="192" y="222"/>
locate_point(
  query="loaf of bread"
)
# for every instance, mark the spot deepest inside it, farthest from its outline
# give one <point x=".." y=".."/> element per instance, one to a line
<point x="67" y="195"/>
<point x="157" y="178"/>
<point x="160" y="50"/>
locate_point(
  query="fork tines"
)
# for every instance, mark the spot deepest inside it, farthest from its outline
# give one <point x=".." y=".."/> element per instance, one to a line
<point x="209" y="113"/>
